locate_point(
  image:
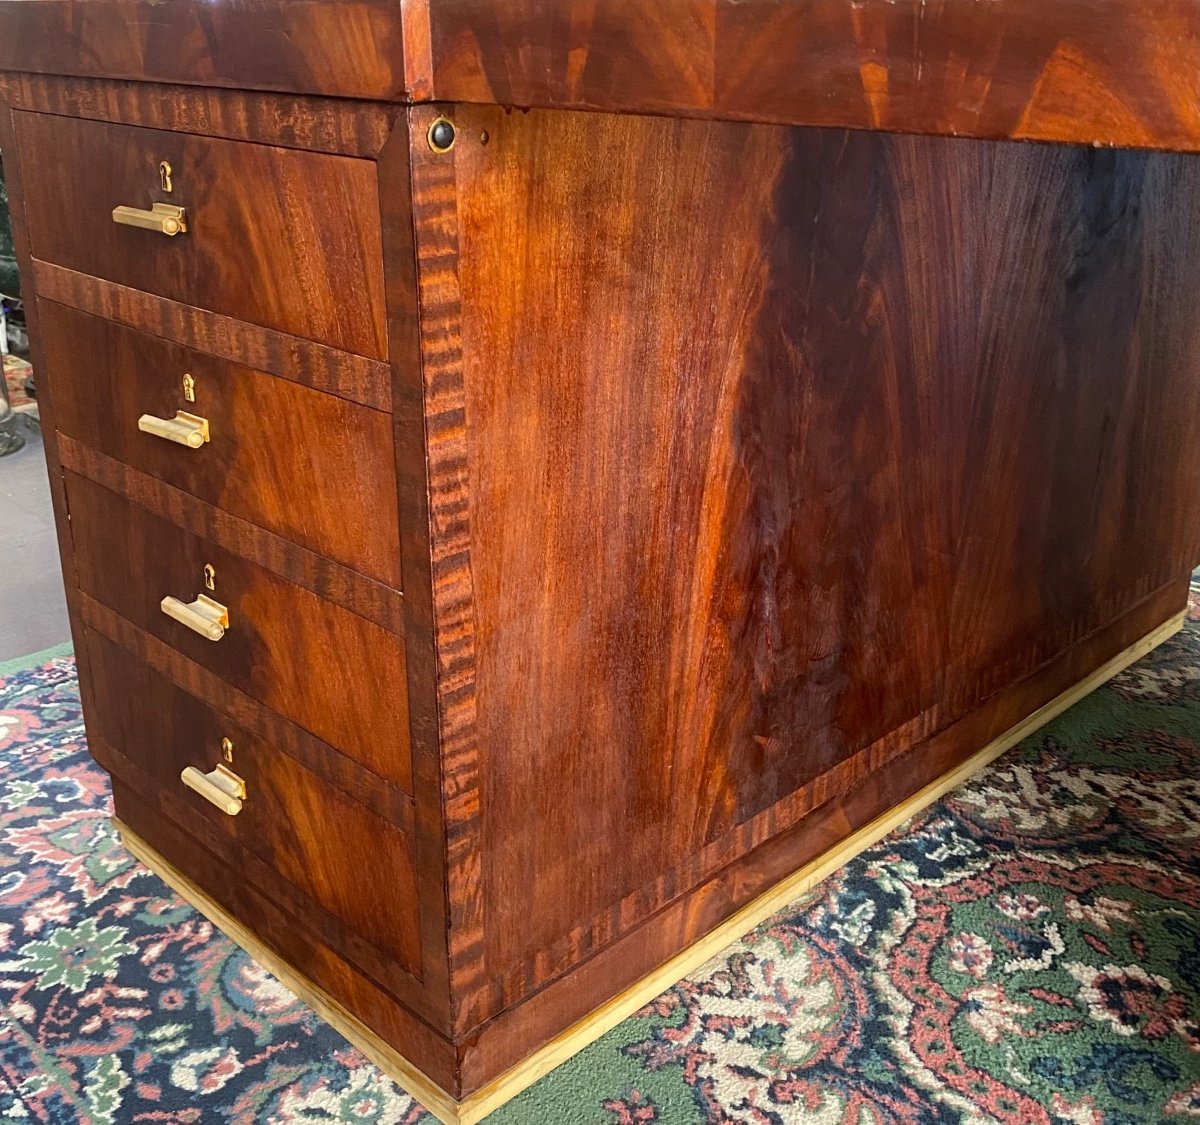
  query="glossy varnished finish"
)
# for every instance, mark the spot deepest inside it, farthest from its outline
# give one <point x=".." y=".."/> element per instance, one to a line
<point x="351" y="128"/>
<point x="345" y="48"/>
<point x="290" y="935"/>
<point x="355" y="377"/>
<point x="269" y="459"/>
<point x="1111" y="72"/>
<point x="740" y="478"/>
<point x="719" y="578"/>
<point x="331" y="671"/>
<point x="367" y="882"/>
<point x="298" y="252"/>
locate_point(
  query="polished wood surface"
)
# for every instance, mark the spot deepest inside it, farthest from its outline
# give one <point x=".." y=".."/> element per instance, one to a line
<point x="719" y="578"/>
<point x="350" y="128"/>
<point x="505" y="1041"/>
<point x="299" y="253"/>
<point x="1107" y="72"/>
<point x="618" y="510"/>
<point x="332" y="672"/>
<point x="367" y="882"/>
<point x="345" y="48"/>
<point x="289" y="935"/>
<point x="261" y="462"/>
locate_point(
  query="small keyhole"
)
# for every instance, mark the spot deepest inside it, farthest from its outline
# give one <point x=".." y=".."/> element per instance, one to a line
<point x="189" y="389"/>
<point x="227" y="750"/>
<point x="210" y="576"/>
<point x="164" y="175"/>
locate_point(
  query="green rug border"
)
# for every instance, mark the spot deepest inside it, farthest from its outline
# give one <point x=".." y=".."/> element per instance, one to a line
<point x="22" y="663"/>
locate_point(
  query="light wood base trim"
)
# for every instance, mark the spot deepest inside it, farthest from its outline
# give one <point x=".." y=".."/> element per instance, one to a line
<point x="484" y="1101"/>
<point x="432" y="1097"/>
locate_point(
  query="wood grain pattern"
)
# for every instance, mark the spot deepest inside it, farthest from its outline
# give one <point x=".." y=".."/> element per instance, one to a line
<point x="300" y="253"/>
<point x="802" y="879"/>
<point x="331" y="125"/>
<point x="270" y="459"/>
<point x="509" y="1038"/>
<point x="404" y="341"/>
<point x="748" y="477"/>
<point x="343" y="48"/>
<point x="711" y="569"/>
<point x="291" y="937"/>
<point x="443" y="403"/>
<point x="368" y="882"/>
<point x="387" y="801"/>
<point x="328" y="580"/>
<point x="1108" y="72"/>
<point x="330" y="671"/>
<point x="367" y="381"/>
<point x="47" y="404"/>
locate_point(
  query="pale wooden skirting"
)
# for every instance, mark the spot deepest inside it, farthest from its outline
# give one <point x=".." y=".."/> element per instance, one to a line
<point x="484" y="1101"/>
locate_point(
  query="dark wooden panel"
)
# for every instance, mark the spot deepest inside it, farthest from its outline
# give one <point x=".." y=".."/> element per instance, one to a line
<point x="352" y="863"/>
<point x="293" y="938"/>
<point x="285" y="239"/>
<point x="940" y="432"/>
<point x="319" y="124"/>
<point x="592" y="980"/>
<point x="367" y="381"/>
<point x="327" y="579"/>
<point x="1110" y="72"/>
<point x="399" y="255"/>
<point x="387" y="801"/>
<point x="14" y="185"/>
<point x="346" y="48"/>
<point x="306" y="465"/>
<point x="335" y="673"/>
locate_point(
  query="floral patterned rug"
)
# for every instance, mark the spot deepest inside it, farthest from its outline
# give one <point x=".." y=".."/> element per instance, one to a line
<point x="1027" y="951"/>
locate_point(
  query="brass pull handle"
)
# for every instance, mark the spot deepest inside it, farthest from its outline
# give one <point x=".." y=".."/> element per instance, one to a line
<point x="184" y="429"/>
<point x="165" y="218"/>
<point x="221" y="787"/>
<point x="204" y="616"/>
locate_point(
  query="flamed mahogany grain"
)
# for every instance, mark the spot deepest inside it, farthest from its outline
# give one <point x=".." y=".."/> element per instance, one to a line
<point x="740" y="477"/>
<point x="299" y="251"/>
<point x="891" y="422"/>
<point x="334" y="673"/>
<point x="1109" y="72"/>
<point x="367" y="881"/>
<point x="270" y="459"/>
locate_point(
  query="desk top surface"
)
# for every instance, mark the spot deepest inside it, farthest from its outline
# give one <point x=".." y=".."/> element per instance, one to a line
<point x="1107" y="72"/>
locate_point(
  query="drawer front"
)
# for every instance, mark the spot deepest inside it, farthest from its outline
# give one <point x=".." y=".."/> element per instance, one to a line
<point x="304" y="464"/>
<point x="347" y="859"/>
<point x="285" y="239"/>
<point x="332" y="672"/>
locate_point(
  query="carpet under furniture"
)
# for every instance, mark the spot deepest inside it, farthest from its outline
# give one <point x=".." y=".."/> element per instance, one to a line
<point x="1027" y="950"/>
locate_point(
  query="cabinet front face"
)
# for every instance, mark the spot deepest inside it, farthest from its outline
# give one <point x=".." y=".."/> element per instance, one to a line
<point x="212" y="342"/>
<point x="345" y="869"/>
<point x="335" y="674"/>
<point x="285" y="239"/>
<point x="304" y="464"/>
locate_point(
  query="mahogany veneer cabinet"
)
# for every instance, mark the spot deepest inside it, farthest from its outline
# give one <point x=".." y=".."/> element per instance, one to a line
<point x="535" y="477"/>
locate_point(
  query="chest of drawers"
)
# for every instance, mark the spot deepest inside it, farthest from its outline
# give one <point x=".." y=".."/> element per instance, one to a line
<point x="536" y="487"/>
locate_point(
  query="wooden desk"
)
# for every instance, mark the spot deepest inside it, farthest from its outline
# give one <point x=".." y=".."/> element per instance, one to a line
<point x="609" y="461"/>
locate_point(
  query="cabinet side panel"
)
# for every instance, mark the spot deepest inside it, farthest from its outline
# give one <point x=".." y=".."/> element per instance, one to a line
<point x="784" y="450"/>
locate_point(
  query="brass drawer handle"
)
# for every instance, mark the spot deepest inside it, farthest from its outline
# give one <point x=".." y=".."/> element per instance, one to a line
<point x="222" y="787"/>
<point x="204" y="616"/>
<point x="184" y="429"/>
<point x="165" y="218"/>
